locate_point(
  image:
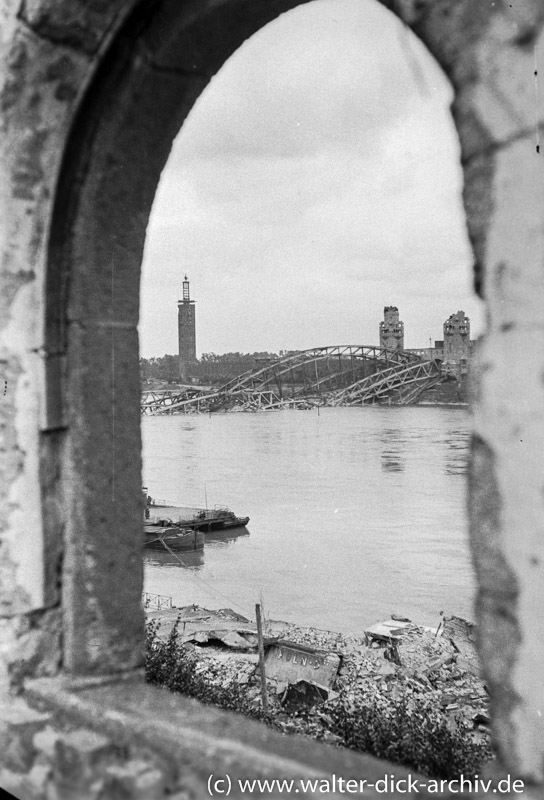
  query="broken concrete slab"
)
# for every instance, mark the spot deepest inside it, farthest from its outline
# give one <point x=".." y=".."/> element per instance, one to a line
<point x="197" y="624"/>
<point x="239" y="640"/>
<point x="460" y="632"/>
<point x="393" y="628"/>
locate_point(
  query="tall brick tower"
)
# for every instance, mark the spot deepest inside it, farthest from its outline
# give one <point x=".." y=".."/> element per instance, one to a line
<point x="391" y="329"/>
<point x="457" y="342"/>
<point x="186" y="332"/>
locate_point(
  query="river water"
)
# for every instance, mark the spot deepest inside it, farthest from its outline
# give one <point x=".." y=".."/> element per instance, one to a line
<point x="355" y="512"/>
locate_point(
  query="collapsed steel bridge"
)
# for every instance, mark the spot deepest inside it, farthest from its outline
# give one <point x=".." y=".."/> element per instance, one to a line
<point x="322" y="376"/>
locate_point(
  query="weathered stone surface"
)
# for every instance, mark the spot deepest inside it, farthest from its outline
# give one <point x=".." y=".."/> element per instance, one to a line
<point x="507" y="509"/>
<point x="102" y="592"/>
<point x="45" y="742"/>
<point x="37" y="650"/>
<point x="77" y="752"/>
<point x="18" y="725"/>
<point x="81" y="25"/>
<point x="35" y="111"/>
<point x="192" y="741"/>
<point x="34" y="786"/>
<point x="514" y="279"/>
<point x="135" y="780"/>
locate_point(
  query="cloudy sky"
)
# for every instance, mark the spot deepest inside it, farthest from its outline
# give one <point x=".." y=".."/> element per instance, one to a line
<point x="316" y="180"/>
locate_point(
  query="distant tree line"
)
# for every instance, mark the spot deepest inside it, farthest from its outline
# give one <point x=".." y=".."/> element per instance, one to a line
<point x="165" y="368"/>
<point x="213" y="368"/>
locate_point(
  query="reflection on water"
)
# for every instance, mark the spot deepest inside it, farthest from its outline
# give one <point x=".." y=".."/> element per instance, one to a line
<point x="220" y="538"/>
<point x="456" y="453"/>
<point x="392" y="453"/>
<point x="190" y="559"/>
<point x="355" y="512"/>
<point x="193" y="559"/>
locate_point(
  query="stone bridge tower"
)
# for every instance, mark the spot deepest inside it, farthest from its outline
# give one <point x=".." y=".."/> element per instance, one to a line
<point x="457" y="343"/>
<point x="186" y="332"/>
<point x="391" y="329"/>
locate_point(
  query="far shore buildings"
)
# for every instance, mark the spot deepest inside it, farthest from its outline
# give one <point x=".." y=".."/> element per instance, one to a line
<point x="453" y="351"/>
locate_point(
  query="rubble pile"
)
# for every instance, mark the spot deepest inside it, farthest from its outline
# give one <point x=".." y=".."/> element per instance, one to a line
<point x="438" y="665"/>
<point x="395" y="664"/>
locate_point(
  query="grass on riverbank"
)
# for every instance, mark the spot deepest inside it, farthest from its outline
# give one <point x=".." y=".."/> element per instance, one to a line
<point x="404" y="727"/>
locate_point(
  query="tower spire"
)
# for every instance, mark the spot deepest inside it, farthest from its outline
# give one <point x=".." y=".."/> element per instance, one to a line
<point x="186" y="331"/>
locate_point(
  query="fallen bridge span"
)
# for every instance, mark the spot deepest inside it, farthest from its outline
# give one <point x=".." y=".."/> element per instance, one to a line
<point x="323" y="376"/>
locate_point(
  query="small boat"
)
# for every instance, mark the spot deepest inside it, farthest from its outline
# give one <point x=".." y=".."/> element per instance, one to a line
<point x="216" y="519"/>
<point x="166" y="536"/>
<point x="219" y="518"/>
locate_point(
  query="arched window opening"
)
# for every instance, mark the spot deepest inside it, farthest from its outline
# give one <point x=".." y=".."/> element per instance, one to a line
<point x="93" y="100"/>
<point x="316" y="180"/>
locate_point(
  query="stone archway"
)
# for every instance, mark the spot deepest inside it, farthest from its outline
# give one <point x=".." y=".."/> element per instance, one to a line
<point x="93" y="97"/>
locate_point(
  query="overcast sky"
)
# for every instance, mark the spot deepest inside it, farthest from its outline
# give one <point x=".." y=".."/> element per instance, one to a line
<point x="316" y="180"/>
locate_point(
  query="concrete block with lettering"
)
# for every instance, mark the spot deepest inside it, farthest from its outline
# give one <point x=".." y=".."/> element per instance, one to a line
<point x="287" y="662"/>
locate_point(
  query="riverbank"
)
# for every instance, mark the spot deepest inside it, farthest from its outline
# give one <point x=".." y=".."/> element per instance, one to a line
<point x="402" y="691"/>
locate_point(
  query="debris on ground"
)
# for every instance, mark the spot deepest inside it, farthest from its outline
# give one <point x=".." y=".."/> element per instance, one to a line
<point x="310" y="671"/>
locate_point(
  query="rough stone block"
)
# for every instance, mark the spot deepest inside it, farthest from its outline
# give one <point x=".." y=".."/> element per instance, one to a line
<point x="136" y="780"/>
<point x="503" y="98"/>
<point x="102" y="518"/>
<point x="37" y="651"/>
<point x="77" y="756"/>
<point x="34" y="786"/>
<point x="18" y="725"/>
<point x="514" y="278"/>
<point x="13" y="782"/>
<point x="45" y="743"/>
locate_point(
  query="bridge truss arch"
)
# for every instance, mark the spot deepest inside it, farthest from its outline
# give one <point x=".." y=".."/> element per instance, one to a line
<point x="332" y="375"/>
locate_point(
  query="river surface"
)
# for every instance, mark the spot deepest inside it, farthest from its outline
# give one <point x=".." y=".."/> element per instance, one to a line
<point x="355" y="512"/>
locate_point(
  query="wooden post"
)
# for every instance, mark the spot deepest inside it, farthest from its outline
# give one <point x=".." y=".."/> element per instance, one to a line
<point x="260" y="644"/>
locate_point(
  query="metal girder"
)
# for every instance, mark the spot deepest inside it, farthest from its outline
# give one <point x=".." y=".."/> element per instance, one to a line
<point x="153" y="402"/>
<point x="393" y="381"/>
<point x="255" y="379"/>
<point x="268" y="400"/>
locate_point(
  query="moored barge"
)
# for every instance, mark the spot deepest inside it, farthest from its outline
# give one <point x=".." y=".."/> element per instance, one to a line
<point x="169" y="537"/>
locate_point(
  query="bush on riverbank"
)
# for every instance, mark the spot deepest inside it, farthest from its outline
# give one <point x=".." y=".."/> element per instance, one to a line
<point x="405" y="728"/>
<point x="409" y="731"/>
<point x="174" y="665"/>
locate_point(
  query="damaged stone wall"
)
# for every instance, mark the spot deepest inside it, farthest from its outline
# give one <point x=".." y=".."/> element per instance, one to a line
<point x="42" y="758"/>
<point x="91" y="91"/>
